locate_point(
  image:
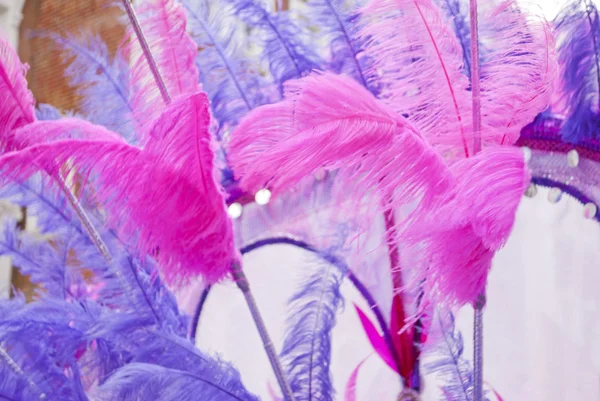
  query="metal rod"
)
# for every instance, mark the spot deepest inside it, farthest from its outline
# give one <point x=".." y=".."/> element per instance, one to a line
<point x="476" y="103"/>
<point x="244" y="286"/>
<point x="146" y="50"/>
<point x="475" y="84"/>
<point x="478" y="349"/>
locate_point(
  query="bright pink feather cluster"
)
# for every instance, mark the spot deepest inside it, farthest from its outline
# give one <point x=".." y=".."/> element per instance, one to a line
<point x="164" y="197"/>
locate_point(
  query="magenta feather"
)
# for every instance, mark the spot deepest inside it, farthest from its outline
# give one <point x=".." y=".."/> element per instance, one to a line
<point x="457" y="240"/>
<point x="518" y="71"/>
<point x="329" y="121"/>
<point x="17" y="104"/>
<point x="153" y="197"/>
<point x="420" y="63"/>
<point x="164" y="23"/>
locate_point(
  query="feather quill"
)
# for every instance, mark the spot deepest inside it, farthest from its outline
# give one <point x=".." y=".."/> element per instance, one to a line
<point x="165" y="29"/>
<point x="233" y="86"/>
<point x="306" y="351"/>
<point x="578" y="30"/>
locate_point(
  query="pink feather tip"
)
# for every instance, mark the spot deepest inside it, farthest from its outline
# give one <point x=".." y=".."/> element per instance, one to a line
<point x="164" y="198"/>
<point x="457" y="240"/>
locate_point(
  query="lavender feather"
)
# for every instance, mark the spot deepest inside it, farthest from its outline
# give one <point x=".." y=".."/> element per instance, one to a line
<point x="578" y="27"/>
<point x="98" y="79"/>
<point x="444" y="358"/>
<point x="146" y="381"/>
<point x="338" y="22"/>
<point x="282" y="39"/>
<point x="45" y="111"/>
<point x="232" y="86"/>
<point x="306" y="349"/>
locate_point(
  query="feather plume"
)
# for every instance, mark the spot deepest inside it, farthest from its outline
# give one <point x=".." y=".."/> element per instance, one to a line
<point x="338" y="23"/>
<point x="281" y="38"/>
<point x="233" y="87"/>
<point x="16" y="108"/>
<point x="443" y="356"/>
<point x="98" y="79"/>
<point x="578" y="30"/>
<point x="146" y="381"/>
<point x="330" y="121"/>
<point x="457" y="239"/>
<point x="159" y="205"/>
<point x="518" y="70"/>
<point x="420" y="68"/>
<point x="165" y="29"/>
<point x="306" y="351"/>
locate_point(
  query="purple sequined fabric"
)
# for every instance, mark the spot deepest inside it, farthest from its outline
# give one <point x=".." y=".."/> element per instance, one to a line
<point x="550" y="167"/>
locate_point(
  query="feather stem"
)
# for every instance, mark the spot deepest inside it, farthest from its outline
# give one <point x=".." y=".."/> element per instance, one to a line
<point x="476" y="98"/>
<point x="475" y="84"/>
<point x="220" y="52"/>
<point x="446" y="76"/>
<point x="244" y="286"/>
<point x="149" y="58"/>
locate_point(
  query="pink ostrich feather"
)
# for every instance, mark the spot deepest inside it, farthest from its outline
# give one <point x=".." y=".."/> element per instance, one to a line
<point x="519" y="70"/>
<point x="165" y="27"/>
<point x="420" y="68"/>
<point x="458" y="239"/>
<point x="329" y="121"/>
<point x="16" y="106"/>
<point x="160" y="199"/>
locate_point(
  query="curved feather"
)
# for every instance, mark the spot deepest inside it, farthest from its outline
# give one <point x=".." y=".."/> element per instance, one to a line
<point x="443" y="357"/>
<point x="16" y="107"/>
<point x="146" y="381"/>
<point x="578" y="30"/>
<point x="234" y="87"/>
<point x="146" y="201"/>
<point x="518" y="71"/>
<point x="420" y="68"/>
<point x="165" y="28"/>
<point x="282" y="39"/>
<point x="98" y="80"/>
<point x="454" y="243"/>
<point x="306" y="352"/>
<point x="327" y="122"/>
